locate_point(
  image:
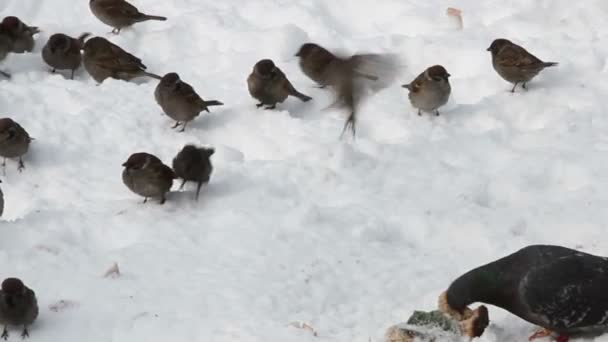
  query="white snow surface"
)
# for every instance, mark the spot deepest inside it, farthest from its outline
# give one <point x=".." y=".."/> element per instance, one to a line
<point x="297" y="225"/>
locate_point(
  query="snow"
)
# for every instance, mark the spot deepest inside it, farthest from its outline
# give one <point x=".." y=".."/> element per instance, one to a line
<point x="297" y="226"/>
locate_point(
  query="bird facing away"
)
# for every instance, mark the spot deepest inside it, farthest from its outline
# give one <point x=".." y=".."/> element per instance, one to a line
<point x="147" y="176"/>
<point x="21" y="34"/>
<point x="269" y="85"/>
<point x="119" y="14"/>
<point x="352" y="78"/>
<point x="193" y="164"/>
<point x="14" y="141"/>
<point x="559" y="289"/>
<point x="179" y="100"/>
<point x="514" y="64"/>
<point x="18" y="306"/>
<point x="103" y="59"/>
<point x="62" y="52"/>
<point x="430" y="90"/>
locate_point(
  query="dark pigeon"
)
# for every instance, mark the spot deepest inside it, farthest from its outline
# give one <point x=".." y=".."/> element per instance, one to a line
<point x="562" y="290"/>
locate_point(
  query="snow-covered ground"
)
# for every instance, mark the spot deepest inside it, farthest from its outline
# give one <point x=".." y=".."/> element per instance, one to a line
<point x="296" y="225"/>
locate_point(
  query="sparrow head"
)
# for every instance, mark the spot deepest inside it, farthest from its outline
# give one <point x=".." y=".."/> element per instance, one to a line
<point x="95" y="45"/>
<point x="498" y="44"/>
<point x="207" y="151"/>
<point x="13" y="286"/>
<point x="437" y="73"/>
<point x="308" y="49"/>
<point x="59" y="42"/>
<point x="7" y="129"/>
<point x="170" y="80"/>
<point x="264" y="68"/>
<point x="140" y="160"/>
<point x="11" y="24"/>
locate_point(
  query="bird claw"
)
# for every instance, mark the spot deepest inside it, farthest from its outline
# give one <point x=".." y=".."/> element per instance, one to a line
<point x="25" y="333"/>
<point x="5" y="74"/>
<point x="271" y="107"/>
<point x="4" y="334"/>
<point x="259" y="105"/>
<point x="349" y="124"/>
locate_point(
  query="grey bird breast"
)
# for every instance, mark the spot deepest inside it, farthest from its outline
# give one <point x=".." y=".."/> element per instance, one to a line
<point x="434" y="95"/>
<point x="268" y="91"/>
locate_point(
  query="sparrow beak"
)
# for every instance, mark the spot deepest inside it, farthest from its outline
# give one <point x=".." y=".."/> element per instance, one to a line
<point x="124" y="164"/>
<point x="447" y="75"/>
<point x="297" y="54"/>
<point x="488" y="49"/>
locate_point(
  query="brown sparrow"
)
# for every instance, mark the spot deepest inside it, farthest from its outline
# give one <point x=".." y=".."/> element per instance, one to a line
<point x="193" y="164"/>
<point x="62" y="52"/>
<point x="21" y="34"/>
<point x="269" y="85"/>
<point x="102" y="59"/>
<point x="514" y="64"/>
<point x="14" y="141"/>
<point x="147" y="176"/>
<point x="18" y="306"/>
<point x="430" y="90"/>
<point x="179" y="100"/>
<point x="119" y="14"/>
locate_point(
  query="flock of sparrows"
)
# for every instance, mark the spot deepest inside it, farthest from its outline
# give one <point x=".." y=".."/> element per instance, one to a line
<point x="351" y="78"/>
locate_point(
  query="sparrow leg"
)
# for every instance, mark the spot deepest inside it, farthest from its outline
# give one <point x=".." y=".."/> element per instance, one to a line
<point x="436" y="112"/>
<point x="72" y="76"/>
<point x="183" y="183"/>
<point x="271" y="107"/>
<point x="540" y="333"/>
<point x="53" y="70"/>
<point x="163" y="199"/>
<point x="515" y="85"/>
<point x="350" y="123"/>
<point x="5" y="333"/>
<point x="5" y="74"/>
<point x="145" y="199"/>
<point x="176" y="124"/>
<point x="183" y="127"/>
<point x="25" y="333"/>
<point x="198" y="189"/>
<point x="21" y="165"/>
<point x="523" y="85"/>
<point x="259" y="104"/>
<point x="4" y="167"/>
<point x="419" y="112"/>
<point x="321" y="86"/>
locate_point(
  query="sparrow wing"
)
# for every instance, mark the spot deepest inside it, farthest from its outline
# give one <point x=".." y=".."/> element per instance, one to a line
<point x="513" y="55"/>
<point x="185" y="91"/>
<point x="122" y="9"/>
<point x="417" y="83"/>
<point x="120" y="60"/>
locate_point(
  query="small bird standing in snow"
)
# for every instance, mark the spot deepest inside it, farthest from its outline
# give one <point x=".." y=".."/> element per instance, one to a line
<point x="349" y="77"/>
<point x="561" y="290"/>
<point x="18" y="306"/>
<point x="430" y="90"/>
<point x="102" y="60"/>
<point x="269" y="85"/>
<point x="119" y="14"/>
<point x="21" y="34"/>
<point x="194" y="164"/>
<point x="179" y="100"/>
<point x="14" y="141"/>
<point x="62" y="52"/>
<point x="147" y="176"/>
<point x="514" y="64"/>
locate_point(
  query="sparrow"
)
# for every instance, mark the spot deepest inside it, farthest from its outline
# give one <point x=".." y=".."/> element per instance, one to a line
<point x="14" y="141"/>
<point x="179" y="100"/>
<point x="268" y="84"/>
<point x="18" y="306"/>
<point x="63" y="52"/>
<point x="352" y="78"/>
<point x="514" y="64"/>
<point x="430" y="90"/>
<point x="193" y="164"/>
<point x="21" y="34"/>
<point x="119" y="14"/>
<point x="147" y="176"/>
<point x="103" y="59"/>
